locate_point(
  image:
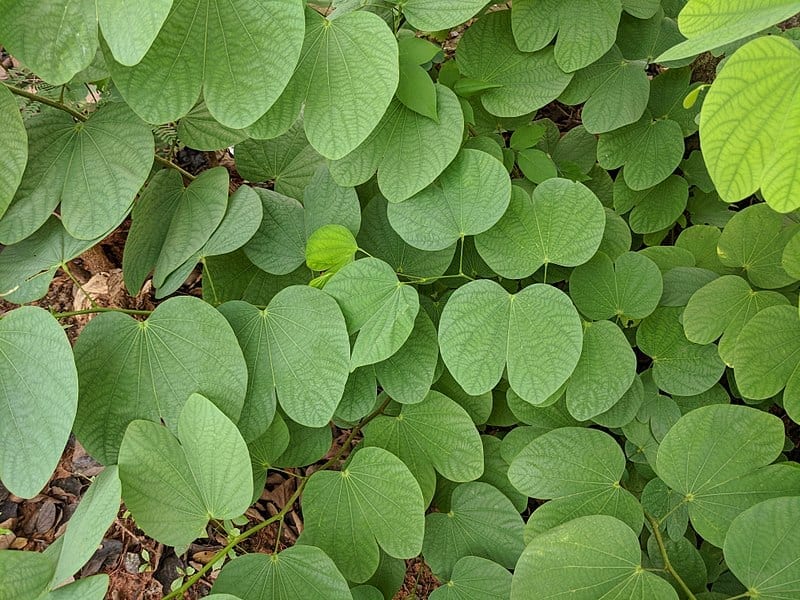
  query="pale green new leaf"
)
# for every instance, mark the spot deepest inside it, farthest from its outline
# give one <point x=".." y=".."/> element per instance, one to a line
<point x="524" y="81"/>
<point x="481" y="522"/>
<point x="407" y="149"/>
<point x="483" y="328"/>
<point x="13" y="148"/>
<point x="745" y="146"/>
<point x="130" y="28"/>
<point x="299" y="346"/>
<point x="106" y="159"/>
<point x="330" y="248"/>
<point x="297" y="572"/>
<point x="211" y="45"/>
<point x="39" y="387"/>
<point x="373" y="502"/>
<point x="174" y="485"/>
<point x="435" y="15"/>
<point x="760" y="549"/>
<point x="131" y="369"/>
<point x="586" y="30"/>
<point x="475" y="578"/>
<point x="376" y="305"/>
<point x="588" y="558"/>
<point x="469" y="197"/>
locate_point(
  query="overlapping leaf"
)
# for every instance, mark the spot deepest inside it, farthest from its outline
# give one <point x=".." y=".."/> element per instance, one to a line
<point x="13" y="149"/>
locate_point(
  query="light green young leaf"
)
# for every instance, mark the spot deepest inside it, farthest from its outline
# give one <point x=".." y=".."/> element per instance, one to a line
<point x="377" y="305"/>
<point x="228" y="44"/>
<point x="527" y="82"/>
<point x="299" y="346"/>
<point x="40" y="389"/>
<point x="201" y="131"/>
<point x="436" y="15"/>
<point x="174" y="485"/>
<point x="481" y="522"/>
<point x="475" y="578"/>
<point x="716" y="457"/>
<point x="373" y="502"/>
<point x="13" y="149"/>
<point x="472" y="194"/>
<point x="588" y="558"/>
<point x="483" y="328"/>
<point x="130" y="28"/>
<point x="628" y="287"/>
<point x="759" y="548"/>
<point x="679" y="366"/>
<point x="330" y="247"/>
<point x="297" y="572"/>
<point x="131" y="369"/>
<point x="586" y="30"/>
<point x="107" y="159"/>
<point x="409" y="151"/>
<point x="710" y="24"/>
<point x="604" y="372"/>
<point x="745" y="147"/>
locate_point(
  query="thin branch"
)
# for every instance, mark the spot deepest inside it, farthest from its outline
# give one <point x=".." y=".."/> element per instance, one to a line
<point x="43" y="100"/>
<point x="172" y="165"/>
<point x="101" y="309"/>
<point x="665" y="556"/>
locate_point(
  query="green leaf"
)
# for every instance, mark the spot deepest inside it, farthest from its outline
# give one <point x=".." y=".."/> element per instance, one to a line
<point x="588" y="558"/>
<point x="436" y="15"/>
<point x="586" y="30"/>
<point x="326" y="202"/>
<point x="710" y="24"/>
<point x="536" y="165"/>
<point x="377" y="305"/>
<point x="483" y="328"/>
<point x="679" y="366"/>
<point x="745" y="147"/>
<point x="471" y="196"/>
<point x="481" y="522"/>
<point x="307" y="445"/>
<point x="716" y="457"/>
<point x="129" y="28"/>
<point x="654" y="209"/>
<point x="628" y="287"/>
<point x="347" y="73"/>
<point x="297" y="572"/>
<point x="53" y="40"/>
<point x="199" y="130"/>
<point x="527" y="82"/>
<point x="14" y="149"/>
<point x="107" y="159"/>
<point x="408" y="150"/>
<point x="40" y="390"/>
<point x="227" y="45"/>
<point x="173" y="486"/>
<point x="24" y="575"/>
<point x="299" y="346"/>
<point x="416" y="90"/>
<point x="279" y="245"/>
<point x="131" y="369"/>
<point x="86" y="588"/>
<point x="649" y="150"/>
<point x="759" y="548"/>
<point x="604" y="373"/>
<point x="438" y="430"/>
<point x="373" y="502"/>
<point x="95" y="513"/>
<point x="330" y="247"/>
<point x="475" y="578"/>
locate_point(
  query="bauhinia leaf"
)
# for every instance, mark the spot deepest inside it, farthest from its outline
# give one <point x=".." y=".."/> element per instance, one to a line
<point x="13" y="149"/>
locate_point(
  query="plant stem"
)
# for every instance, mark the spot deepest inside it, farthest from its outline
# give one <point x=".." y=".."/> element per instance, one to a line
<point x="101" y="309"/>
<point x="172" y="165"/>
<point x="66" y="270"/>
<point x="178" y="593"/>
<point x="665" y="556"/>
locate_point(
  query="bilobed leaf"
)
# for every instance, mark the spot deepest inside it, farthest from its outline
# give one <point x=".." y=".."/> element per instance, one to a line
<point x="588" y="558"/>
<point x="279" y="245"/>
<point x="130" y="28"/>
<point x="435" y="15"/>
<point x="483" y="328"/>
<point x="299" y="346"/>
<point x="416" y="89"/>
<point x="654" y="209"/>
<point x="759" y="548"/>
<point x="221" y="44"/>
<point x="201" y="131"/>
<point x="586" y="30"/>
<point x="407" y="149"/>
<point x="528" y="80"/>
<point x="745" y="147"/>
<point x="131" y="369"/>
<point x="107" y="159"/>
<point x="469" y="197"/>
<point x="330" y="247"/>
<point x="481" y="522"/>
<point x="373" y="502"/>
<point x="377" y="305"/>
<point x="174" y="485"/>
<point x="326" y="202"/>
<point x="39" y="388"/>
<point x="297" y="572"/>
<point x="475" y="578"/>
<point x="13" y="149"/>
